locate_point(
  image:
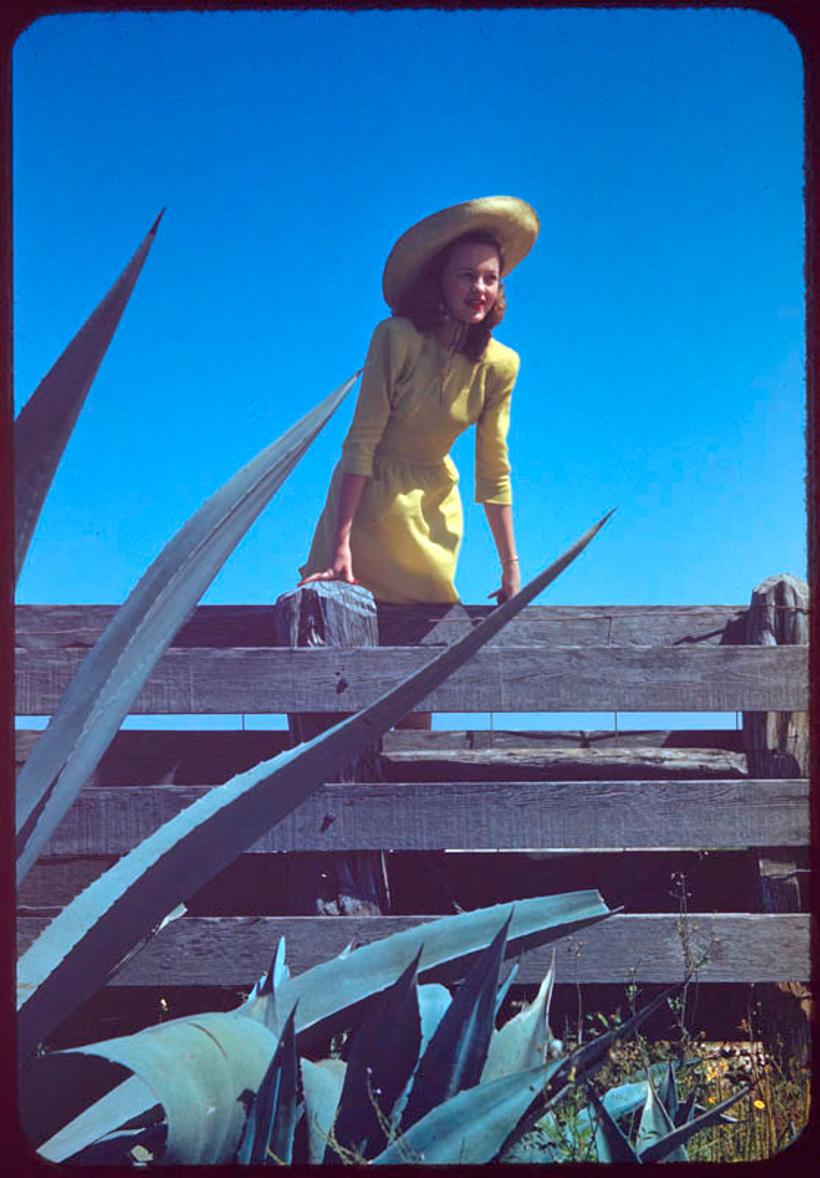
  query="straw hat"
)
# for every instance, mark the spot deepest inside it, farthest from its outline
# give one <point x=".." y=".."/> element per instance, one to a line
<point x="512" y="222"/>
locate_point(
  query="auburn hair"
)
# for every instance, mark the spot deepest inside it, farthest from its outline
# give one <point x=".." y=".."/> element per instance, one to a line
<point x="423" y="303"/>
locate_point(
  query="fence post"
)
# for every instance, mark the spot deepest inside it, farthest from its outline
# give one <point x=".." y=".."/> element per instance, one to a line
<point x="332" y="613"/>
<point x="777" y="746"/>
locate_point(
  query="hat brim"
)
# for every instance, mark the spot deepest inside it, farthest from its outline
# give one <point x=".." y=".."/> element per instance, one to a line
<point x="512" y="222"/>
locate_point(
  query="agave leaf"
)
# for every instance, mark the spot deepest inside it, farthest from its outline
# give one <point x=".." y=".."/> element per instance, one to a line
<point x="433" y="1002"/>
<point x="118" y="1149"/>
<point x="619" y="1102"/>
<point x="611" y="1143"/>
<point x="383" y="1053"/>
<point x="328" y="991"/>
<point x="113" y="672"/>
<point x="200" y="1069"/>
<point x="71" y="957"/>
<point x="655" y="1124"/>
<point x="625" y="1098"/>
<point x="522" y="1042"/>
<point x="270" y="1124"/>
<point x="456" y="1053"/>
<point x="472" y="1126"/>
<point x="668" y="1093"/>
<point x="585" y="1061"/>
<point x="128" y="1100"/>
<point x="504" y="988"/>
<point x="261" y="1003"/>
<point x="322" y="1083"/>
<point x="688" y="1109"/>
<point x="664" y="1148"/>
<point x="45" y="422"/>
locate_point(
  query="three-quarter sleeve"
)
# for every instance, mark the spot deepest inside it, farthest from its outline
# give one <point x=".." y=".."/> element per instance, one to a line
<point x="384" y="361"/>
<point x="492" y="464"/>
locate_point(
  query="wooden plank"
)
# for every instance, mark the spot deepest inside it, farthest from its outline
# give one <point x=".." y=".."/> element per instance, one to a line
<point x="234" y="951"/>
<point x="556" y="764"/>
<point x="595" y="625"/>
<point x="52" y="882"/>
<point x="512" y="679"/>
<point x="209" y="757"/>
<point x="406" y="740"/>
<point x="477" y="815"/>
<point x="48" y="627"/>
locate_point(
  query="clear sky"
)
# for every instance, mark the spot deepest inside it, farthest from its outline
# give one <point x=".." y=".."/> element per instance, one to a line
<point x="659" y="317"/>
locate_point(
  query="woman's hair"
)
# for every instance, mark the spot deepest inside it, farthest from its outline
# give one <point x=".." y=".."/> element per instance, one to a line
<point x="423" y="302"/>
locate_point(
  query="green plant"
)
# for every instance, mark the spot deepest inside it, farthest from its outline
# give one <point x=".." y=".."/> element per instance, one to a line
<point x="73" y="1099"/>
<point x="424" y="1078"/>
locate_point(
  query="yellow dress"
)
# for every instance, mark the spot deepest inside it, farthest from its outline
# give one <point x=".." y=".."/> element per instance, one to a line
<point x="412" y="406"/>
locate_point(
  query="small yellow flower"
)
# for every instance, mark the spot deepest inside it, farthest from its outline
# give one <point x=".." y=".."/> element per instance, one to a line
<point x="712" y="1100"/>
<point x="759" y="1103"/>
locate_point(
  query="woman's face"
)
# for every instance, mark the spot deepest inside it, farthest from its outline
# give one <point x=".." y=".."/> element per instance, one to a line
<point x="470" y="280"/>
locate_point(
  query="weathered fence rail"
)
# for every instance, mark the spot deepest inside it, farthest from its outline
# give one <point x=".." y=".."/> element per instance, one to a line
<point x="573" y="793"/>
<point x="508" y="679"/>
<point x="474" y="815"/>
<point x="231" y="951"/>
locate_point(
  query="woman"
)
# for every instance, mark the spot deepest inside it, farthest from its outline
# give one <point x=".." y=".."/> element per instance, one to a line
<point x="393" y="521"/>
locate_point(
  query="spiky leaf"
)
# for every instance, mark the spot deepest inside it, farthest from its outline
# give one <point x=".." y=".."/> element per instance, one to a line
<point x="655" y="1124"/>
<point x="434" y="1000"/>
<point x="523" y="1040"/>
<point x="456" y="1053"/>
<point x="382" y="1056"/>
<point x="121" y="1104"/>
<point x="549" y="1141"/>
<point x="45" y="422"/>
<point x="113" y="672"/>
<point x="198" y="1068"/>
<point x="611" y="1143"/>
<point x="472" y="1126"/>
<point x="668" y="1093"/>
<point x="665" y="1148"/>
<point x="322" y="1083"/>
<point x="504" y="988"/>
<point x="270" y="1125"/>
<point x="328" y="991"/>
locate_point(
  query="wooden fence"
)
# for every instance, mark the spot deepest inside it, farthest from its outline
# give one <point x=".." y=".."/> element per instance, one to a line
<point x="574" y="808"/>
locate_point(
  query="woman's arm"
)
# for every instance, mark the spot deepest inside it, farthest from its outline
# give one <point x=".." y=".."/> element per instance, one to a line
<point x="350" y="495"/>
<point x="500" y="519"/>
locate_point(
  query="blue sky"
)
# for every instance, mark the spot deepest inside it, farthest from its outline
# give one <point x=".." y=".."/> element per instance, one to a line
<point x="659" y="317"/>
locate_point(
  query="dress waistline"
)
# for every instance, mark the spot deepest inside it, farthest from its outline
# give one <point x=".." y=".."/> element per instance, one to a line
<point x="407" y="460"/>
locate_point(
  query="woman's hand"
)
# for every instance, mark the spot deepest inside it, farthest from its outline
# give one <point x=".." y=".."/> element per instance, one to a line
<point x="510" y="582"/>
<point x="340" y="570"/>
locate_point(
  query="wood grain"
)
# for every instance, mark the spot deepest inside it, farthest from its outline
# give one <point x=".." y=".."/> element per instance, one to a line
<point x="477" y="815"/>
<point x="557" y="764"/>
<point x="234" y="951"/>
<point x="511" y="679"/>
<point x="49" y="627"/>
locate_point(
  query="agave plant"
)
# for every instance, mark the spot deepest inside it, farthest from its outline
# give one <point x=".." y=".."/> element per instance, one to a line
<point x="425" y="1077"/>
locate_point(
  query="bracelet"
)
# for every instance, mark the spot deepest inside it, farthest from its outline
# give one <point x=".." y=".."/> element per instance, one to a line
<point x="510" y="560"/>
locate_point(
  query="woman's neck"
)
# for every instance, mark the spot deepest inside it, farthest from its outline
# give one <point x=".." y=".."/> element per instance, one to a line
<point x="451" y="333"/>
